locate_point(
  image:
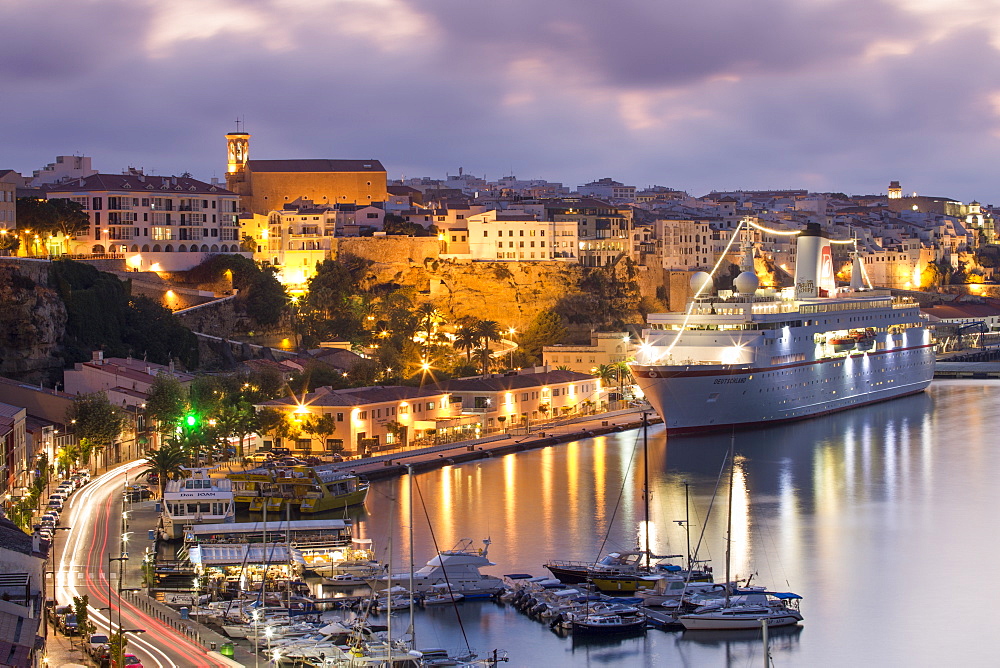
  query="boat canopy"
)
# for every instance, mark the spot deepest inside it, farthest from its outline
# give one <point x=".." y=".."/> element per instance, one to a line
<point x="220" y="555"/>
<point x="270" y="527"/>
<point x="784" y="595"/>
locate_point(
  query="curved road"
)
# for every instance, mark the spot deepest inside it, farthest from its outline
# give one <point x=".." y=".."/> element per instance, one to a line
<point x="94" y="513"/>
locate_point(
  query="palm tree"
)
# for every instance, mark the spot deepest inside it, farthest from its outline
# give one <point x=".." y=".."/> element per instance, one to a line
<point x="427" y="317"/>
<point x="624" y="374"/>
<point x="487" y="331"/>
<point x="166" y="462"/>
<point x="467" y="339"/>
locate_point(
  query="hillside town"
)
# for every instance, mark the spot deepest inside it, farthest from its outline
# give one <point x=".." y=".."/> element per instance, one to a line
<point x="317" y="310"/>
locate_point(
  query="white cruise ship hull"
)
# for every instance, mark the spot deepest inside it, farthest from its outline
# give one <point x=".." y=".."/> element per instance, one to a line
<point x="711" y="397"/>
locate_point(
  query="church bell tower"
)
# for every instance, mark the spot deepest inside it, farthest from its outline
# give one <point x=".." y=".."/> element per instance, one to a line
<point x="237" y="154"/>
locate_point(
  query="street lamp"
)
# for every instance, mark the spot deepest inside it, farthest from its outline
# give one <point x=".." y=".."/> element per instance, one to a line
<point x="111" y="628"/>
<point x="256" y="638"/>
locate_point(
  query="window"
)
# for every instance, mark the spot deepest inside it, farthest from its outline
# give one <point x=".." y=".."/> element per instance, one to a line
<point x="430" y="405"/>
<point x="363" y="415"/>
<point x="486" y="233"/>
<point x="340" y="417"/>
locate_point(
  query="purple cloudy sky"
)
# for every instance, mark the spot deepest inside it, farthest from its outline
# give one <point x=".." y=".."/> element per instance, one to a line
<point x="820" y="94"/>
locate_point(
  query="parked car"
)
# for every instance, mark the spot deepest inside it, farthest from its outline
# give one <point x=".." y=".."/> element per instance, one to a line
<point x="260" y="457"/>
<point x="102" y="657"/>
<point x="68" y="624"/>
<point x="153" y="478"/>
<point x="54" y="504"/>
<point x="280" y="452"/>
<point x="337" y="457"/>
<point x="137" y="492"/>
<point x="96" y="642"/>
<point x="130" y="660"/>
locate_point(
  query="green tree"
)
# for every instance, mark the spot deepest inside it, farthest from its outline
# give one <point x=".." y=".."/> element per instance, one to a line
<point x="321" y="426"/>
<point x="546" y="329"/>
<point x="167" y="402"/>
<point x="37" y="215"/>
<point x="467" y="339"/>
<point x="397" y="225"/>
<point x="70" y="218"/>
<point x="9" y="243"/>
<point x="80" y="605"/>
<point x="97" y="423"/>
<point x="488" y="332"/>
<point x="265" y="299"/>
<point x="167" y="462"/>
<point x="398" y="431"/>
<point x="248" y="244"/>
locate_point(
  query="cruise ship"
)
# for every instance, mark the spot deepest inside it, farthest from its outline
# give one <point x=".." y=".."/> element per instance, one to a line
<point x="755" y="356"/>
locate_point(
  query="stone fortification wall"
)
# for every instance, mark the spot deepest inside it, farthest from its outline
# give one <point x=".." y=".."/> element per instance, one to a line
<point x="390" y="250"/>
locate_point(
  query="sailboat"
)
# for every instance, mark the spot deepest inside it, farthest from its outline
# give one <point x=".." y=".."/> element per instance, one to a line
<point x="748" y="609"/>
<point x="634" y="571"/>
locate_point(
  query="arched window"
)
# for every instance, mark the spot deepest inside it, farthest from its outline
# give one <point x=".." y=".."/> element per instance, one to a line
<point x="98" y="248"/>
<point x="169" y="248"/>
<point x="156" y="248"/>
<point x="182" y="248"/>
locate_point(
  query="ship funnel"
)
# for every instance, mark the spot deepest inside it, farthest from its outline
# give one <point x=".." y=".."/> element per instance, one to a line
<point x="813" y="263"/>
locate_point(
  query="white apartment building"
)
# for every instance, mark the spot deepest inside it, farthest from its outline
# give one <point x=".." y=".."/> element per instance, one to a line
<point x="65" y="167"/>
<point x="608" y="189"/>
<point x="160" y="223"/>
<point x="516" y="235"/>
<point x="298" y="237"/>
<point x="8" y="204"/>
<point x="686" y="244"/>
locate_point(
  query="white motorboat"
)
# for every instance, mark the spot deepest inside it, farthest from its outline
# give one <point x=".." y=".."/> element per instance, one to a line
<point x="777" y="609"/>
<point x="458" y="568"/>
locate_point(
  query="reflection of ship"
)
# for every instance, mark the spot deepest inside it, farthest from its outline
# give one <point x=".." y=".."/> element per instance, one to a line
<point x="305" y="488"/>
<point x="760" y="356"/>
<point x="197" y="499"/>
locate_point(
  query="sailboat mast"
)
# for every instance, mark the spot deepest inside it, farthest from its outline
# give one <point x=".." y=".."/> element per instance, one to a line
<point x="645" y="483"/>
<point x="687" y="527"/>
<point x="413" y="628"/>
<point x="729" y="519"/>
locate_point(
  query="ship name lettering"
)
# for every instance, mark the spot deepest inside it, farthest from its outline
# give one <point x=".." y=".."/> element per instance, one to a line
<point x="728" y="381"/>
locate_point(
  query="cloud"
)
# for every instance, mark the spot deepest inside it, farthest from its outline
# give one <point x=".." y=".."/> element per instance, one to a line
<point x="718" y="94"/>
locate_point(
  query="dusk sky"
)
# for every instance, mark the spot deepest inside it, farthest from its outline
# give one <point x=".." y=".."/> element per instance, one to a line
<point x="841" y="95"/>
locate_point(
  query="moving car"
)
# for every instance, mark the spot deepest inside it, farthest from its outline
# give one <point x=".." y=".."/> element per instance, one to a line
<point x="130" y="660"/>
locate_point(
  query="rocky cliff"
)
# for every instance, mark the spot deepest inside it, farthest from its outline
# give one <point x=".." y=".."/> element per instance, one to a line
<point x="32" y="321"/>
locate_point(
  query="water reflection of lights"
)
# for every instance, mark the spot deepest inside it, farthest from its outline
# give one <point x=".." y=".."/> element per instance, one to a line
<point x="741" y="549"/>
<point x="572" y="474"/>
<point x="548" y="489"/>
<point x="600" y="481"/>
<point x="510" y="497"/>
<point x="445" y="520"/>
<point x="788" y="511"/>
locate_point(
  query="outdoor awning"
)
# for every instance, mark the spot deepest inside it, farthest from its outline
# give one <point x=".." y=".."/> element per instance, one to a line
<point x="257" y="554"/>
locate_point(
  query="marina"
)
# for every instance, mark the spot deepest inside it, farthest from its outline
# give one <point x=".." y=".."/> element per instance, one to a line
<point x="787" y="481"/>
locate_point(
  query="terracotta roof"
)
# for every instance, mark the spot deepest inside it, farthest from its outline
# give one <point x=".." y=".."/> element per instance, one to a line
<point x="178" y="185"/>
<point x="508" y="383"/>
<point x="319" y="165"/>
<point x="358" y="396"/>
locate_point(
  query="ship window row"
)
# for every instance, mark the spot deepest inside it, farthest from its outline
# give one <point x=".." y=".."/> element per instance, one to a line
<point x="176" y="509"/>
<point x="845" y="306"/>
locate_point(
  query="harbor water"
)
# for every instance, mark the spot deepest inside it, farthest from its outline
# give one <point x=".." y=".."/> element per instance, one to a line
<point x="880" y="517"/>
